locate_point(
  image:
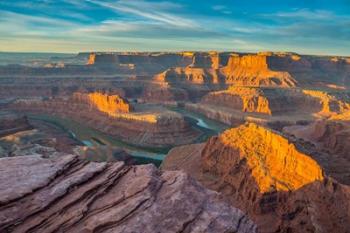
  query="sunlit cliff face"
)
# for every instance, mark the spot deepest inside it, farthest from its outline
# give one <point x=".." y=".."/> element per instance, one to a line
<point x="331" y="105"/>
<point x="110" y="104"/>
<point x="253" y="70"/>
<point x="274" y="163"/>
<point x="92" y="58"/>
<point x="243" y="98"/>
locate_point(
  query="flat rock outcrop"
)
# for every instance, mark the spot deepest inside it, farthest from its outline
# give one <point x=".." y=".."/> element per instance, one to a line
<point x="278" y="185"/>
<point x="65" y="194"/>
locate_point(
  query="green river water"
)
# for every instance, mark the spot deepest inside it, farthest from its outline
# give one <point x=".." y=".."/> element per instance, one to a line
<point x="92" y="137"/>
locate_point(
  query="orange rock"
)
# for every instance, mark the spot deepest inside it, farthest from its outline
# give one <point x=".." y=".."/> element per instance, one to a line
<point x="241" y="98"/>
<point x="110" y="104"/>
<point x="275" y="163"/>
<point x="331" y="105"/>
<point x="92" y="58"/>
<point x="253" y="70"/>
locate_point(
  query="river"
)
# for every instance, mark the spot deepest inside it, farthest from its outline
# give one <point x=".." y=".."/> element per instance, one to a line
<point x="91" y="137"/>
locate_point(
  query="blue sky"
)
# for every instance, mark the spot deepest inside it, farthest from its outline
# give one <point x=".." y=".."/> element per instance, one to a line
<point x="308" y="26"/>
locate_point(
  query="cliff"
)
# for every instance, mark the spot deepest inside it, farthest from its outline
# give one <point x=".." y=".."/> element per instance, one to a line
<point x="110" y="104"/>
<point x="259" y="171"/>
<point x="268" y="101"/>
<point x="190" y="75"/>
<point x="241" y="98"/>
<point x="71" y="195"/>
<point x="274" y="163"/>
<point x="331" y="104"/>
<point x="253" y="70"/>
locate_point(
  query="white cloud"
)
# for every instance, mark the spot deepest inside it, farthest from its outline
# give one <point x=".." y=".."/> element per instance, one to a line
<point x="151" y="11"/>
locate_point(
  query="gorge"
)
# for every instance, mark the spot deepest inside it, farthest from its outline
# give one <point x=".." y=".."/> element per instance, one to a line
<point x="175" y="142"/>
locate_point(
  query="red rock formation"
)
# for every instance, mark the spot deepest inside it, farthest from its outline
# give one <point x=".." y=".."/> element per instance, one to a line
<point x="259" y="171"/>
<point x="189" y="75"/>
<point x="331" y="104"/>
<point x="70" y="195"/>
<point x="110" y="104"/>
<point x="275" y="164"/>
<point x="253" y="70"/>
<point x="269" y="101"/>
<point x="92" y="58"/>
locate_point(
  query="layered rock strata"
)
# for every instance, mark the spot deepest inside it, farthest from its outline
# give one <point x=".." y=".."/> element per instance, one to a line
<point x="149" y="129"/>
<point x="69" y="195"/>
<point x="280" y="187"/>
<point x="253" y="70"/>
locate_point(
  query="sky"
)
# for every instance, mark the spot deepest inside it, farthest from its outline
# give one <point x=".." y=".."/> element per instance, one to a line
<point x="302" y="26"/>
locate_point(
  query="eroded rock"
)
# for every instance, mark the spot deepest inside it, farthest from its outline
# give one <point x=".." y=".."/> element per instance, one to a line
<point x="79" y="196"/>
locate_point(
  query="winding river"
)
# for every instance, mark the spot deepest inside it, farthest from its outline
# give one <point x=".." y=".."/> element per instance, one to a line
<point x="91" y="137"/>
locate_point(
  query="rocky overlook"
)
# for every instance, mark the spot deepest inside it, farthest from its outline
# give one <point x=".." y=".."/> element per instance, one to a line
<point x="67" y="194"/>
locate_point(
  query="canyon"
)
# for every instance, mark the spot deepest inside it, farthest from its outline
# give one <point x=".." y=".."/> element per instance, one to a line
<point x="243" y="142"/>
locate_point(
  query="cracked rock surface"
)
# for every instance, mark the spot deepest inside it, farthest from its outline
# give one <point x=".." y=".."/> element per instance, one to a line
<point x="65" y="194"/>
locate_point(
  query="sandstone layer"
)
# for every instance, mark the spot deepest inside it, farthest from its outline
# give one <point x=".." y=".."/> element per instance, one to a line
<point x="253" y="70"/>
<point x="66" y="194"/>
<point x="278" y="185"/>
<point x="110" y="104"/>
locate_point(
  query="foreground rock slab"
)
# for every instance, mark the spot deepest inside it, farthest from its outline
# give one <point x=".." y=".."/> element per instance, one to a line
<point x="65" y="194"/>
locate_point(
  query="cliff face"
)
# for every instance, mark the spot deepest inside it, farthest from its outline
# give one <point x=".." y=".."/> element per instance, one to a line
<point x="240" y="98"/>
<point x="269" y="101"/>
<point x="70" y="195"/>
<point x="331" y="104"/>
<point x="110" y="104"/>
<point x="190" y="75"/>
<point x="253" y="70"/>
<point x="260" y="69"/>
<point x="249" y="70"/>
<point x="313" y="70"/>
<point x="206" y="60"/>
<point x="274" y="163"/>
<point x="261" y="172"/>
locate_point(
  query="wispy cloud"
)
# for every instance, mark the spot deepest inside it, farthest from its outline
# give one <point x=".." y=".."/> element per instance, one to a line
<point x="222" y="9"/>
<point x="303" y="14"/>
<point x="157" y="11"/>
